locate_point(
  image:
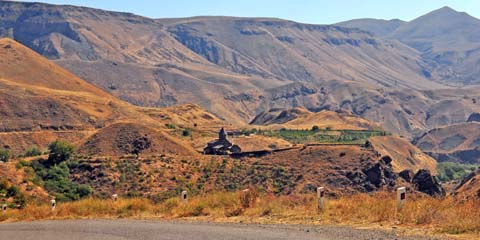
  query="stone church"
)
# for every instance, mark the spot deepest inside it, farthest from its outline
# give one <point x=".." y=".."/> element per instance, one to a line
<point x="221" y="146"/>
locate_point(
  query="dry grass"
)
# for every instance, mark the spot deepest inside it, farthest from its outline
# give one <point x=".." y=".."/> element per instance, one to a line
<point x="435" y="215"/>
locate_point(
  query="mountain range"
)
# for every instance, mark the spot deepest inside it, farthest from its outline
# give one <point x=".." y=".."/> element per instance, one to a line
<point x="410" y="77"/>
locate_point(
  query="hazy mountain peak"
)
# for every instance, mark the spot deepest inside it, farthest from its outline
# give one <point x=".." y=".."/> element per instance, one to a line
<point x="438" y="29"/>
<point x="445" y="9"/>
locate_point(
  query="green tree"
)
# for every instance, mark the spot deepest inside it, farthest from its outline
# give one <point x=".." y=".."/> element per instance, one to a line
<point x="59" y="151"/>
<point x="315" y="128"/>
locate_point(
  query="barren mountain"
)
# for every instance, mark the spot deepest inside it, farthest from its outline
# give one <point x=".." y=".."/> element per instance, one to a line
<point x="225" y="64"/>
<point x="448" y="40"/>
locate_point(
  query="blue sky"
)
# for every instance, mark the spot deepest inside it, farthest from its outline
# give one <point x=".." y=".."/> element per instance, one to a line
<point x="307" y="11"/>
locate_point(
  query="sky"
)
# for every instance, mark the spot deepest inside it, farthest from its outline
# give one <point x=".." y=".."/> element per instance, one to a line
<point x="306" y="11"/>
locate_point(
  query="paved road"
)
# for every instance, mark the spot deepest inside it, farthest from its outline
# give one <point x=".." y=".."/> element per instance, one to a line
<point x="146" y="230"/>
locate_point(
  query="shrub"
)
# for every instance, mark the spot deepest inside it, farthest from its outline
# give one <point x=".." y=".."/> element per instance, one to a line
<point x="4" y="184"/>
<point x="32" y="152"/>
<point x="186" y="132"/>
<point x="315" y="128"/>
<point x="59" y="151"/>
<point x="170" y="126"/>
<point x="5" y="154"/>
<point x="13" y="191"/>
<point x="20" y="200"/>
<point x="56" y="180"/>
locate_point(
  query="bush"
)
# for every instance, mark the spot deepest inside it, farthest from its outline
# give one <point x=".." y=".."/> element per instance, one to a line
<point x="170" y="126"/>
<point x="13" y="191"/>
<point x="59" y="151"/>
<point x="315" y="128"/>
<point x="5" y="154"/>
<point x="20" y="200"/>
<point x="56" y="180"/>
<point x="32" y="152"/>
<point x="4" y="184"/>
<point x="186" y="132"/>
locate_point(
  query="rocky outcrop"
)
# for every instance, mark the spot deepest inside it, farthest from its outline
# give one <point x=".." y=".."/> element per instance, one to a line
<point x="424" y="182"/>
<point x="375" y="176"/>
<point x="407" y="175"/>
<point x="474" y="117"/>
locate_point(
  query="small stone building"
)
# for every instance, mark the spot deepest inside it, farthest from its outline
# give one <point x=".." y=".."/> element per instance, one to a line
<point x="221" y="146"/>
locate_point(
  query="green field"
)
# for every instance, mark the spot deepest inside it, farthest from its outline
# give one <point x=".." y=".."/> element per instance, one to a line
<point x="324" y="135"/>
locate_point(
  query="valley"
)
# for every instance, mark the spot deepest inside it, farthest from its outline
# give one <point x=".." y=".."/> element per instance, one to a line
<point x="95" y="103"/>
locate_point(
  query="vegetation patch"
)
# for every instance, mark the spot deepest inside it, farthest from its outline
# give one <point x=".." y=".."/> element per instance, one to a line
<point x="450" y="171"/>
<point x="317" y="135"/>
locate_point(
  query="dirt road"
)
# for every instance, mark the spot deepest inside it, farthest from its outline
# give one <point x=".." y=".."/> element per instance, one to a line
<point x="162" y="230"/>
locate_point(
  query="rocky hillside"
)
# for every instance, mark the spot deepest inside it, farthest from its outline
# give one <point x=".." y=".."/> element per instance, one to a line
<point x="341" y="169"/>
<point x="456" y="143"/>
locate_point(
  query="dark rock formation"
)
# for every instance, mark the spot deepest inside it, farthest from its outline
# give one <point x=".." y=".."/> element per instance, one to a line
<point x="375" y="176"/>
<point x="474" y="117"/>
<point x="424" y="182"/>
<point x="407" y="175"/>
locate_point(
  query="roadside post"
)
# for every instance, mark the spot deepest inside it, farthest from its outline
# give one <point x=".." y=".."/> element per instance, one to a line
<point x="115" y="197"/>
<point x="4" y="207"/>
<point x="244" y="198"/>
<point x="53" y="204"/>
<point x="184" y="196"/>
<point x="321" y="198"/>
<point x="401" y="197"/>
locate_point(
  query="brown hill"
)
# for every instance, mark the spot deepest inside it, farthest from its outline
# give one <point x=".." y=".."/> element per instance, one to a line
<point x="21" y="65"/>
<point x="299" y="118"/>
<point x="469" y="187"/>
<point x="404" y="154"/>
<point x="120" y="139"/>
<point x="340" y="169"/>
<point x="456" y="143"/>
<point x="41" y="102"/>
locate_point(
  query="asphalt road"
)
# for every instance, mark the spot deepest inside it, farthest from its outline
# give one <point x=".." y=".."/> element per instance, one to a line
<point x="146" y="230"/>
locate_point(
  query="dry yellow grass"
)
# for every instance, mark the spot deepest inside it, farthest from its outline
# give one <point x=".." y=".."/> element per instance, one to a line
<point x="446" y="216"/>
